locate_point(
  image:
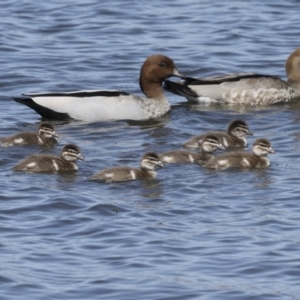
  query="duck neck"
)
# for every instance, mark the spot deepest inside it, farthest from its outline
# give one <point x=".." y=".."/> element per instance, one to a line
<point x="146" y="173"/>
<point x="238" y="139"/>
<point x="205" y="150"/>
<point x="151" y="88"/>
<point x="292" y="69"/>
<point x="257" y="153"/>
<point x="294" y="83"/>
<point x="41" y="139"/>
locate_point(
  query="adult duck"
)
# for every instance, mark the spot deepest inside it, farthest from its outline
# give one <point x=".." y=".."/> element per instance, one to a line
<point x="242" y="88"/>
<point x="104" y="105"/>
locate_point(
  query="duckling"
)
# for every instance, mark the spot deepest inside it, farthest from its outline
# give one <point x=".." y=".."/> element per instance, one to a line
<point x="242" y="88"/>
<point x="45" y="135"/>
<point x="207" y="146"/>
<point x="234" y="137"/>
<point x="108" y="105"/>
<point x="148" y="164"/>
<point x="238" y="159"/>
<point x="51" y="163"/>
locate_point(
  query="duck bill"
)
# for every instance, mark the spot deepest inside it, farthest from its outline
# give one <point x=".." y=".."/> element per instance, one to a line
<point x="79" y="156"/>
<point x="160" y="164"/>
<point x="249" y="133"/>
<point x="221" y="147"/>
<point x="272" y="151"/>
<point x="55" y="135"/>
<point x="177" y="73"/>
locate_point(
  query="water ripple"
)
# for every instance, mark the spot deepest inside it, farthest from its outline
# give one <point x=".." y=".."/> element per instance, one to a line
<point x="191" y="233"/>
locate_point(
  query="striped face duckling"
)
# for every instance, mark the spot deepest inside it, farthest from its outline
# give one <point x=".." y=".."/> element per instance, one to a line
<point x="45" y="135"/>
<point x="51" y="163"/>
<point x="209" y="144"/>
<point x="233" y="137"/>
<point x="238" y="159"/>
<point x="150" y="161"/>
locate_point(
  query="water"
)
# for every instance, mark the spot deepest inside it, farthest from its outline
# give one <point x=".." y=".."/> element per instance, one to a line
<point x="189" y="234"/>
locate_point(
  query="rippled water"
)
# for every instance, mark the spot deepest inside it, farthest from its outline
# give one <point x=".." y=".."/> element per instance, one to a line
<point x="189" y="234"/>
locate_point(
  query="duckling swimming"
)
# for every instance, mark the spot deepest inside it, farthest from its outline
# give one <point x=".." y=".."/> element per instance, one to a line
<point x="238" y="159"/>
<point x="51" y="163"/>
<point x="150" y="161"/>
<point x="45" y="135"/>
<point x="233" y="137"/>
<point x="209" y="144"/>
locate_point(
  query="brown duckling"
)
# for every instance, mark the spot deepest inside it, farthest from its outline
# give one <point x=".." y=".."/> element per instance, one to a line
<point x="45" y="135"/>
<point x="233" y="137"/>
<point x="150" y="161"/>
<point x="238" y="159"/>
<point x="51" y="163"/>
<point x="209" y="144"/>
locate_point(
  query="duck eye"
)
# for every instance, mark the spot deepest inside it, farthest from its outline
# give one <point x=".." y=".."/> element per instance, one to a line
<point x="163" y="64"/>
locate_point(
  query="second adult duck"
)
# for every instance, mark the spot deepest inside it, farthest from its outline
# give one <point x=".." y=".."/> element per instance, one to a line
<point x="242" y="88"/>
<point x="101" y="105"/>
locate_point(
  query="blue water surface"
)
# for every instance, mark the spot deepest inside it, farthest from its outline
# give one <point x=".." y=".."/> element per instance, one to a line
<point x="190" y="233"/>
